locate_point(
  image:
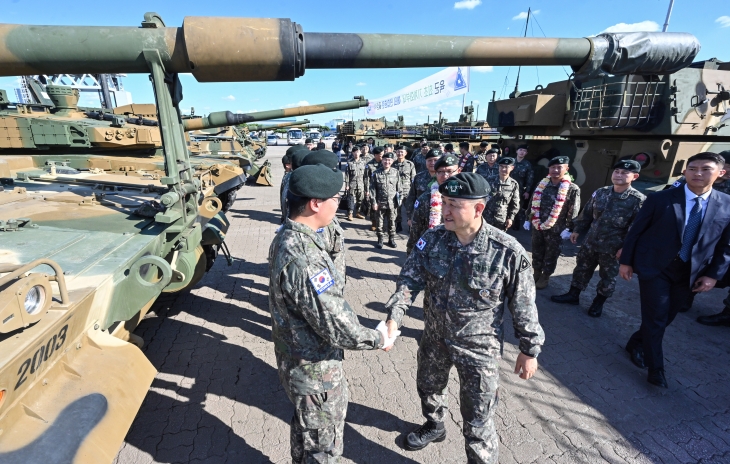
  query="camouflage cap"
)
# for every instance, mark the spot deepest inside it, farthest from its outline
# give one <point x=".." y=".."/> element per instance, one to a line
<point x="468" y="185"/>
<point x="315" y="181"/>
<point x="509" y="161"/>
<point x="298" y="157"/>
<point x="629" y="165"/>
<point x="445" y="161"/>
<point x="434" y="154"/>
<point x="389" y="155"/>
<point x="559" y="160"/>
<point x="325" y="157"/>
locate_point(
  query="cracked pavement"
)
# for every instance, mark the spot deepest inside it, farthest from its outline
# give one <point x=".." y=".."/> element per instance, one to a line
<point x="217" y="396"/>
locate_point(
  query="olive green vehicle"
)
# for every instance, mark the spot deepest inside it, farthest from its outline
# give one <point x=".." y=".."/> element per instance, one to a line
<point x="656" y="118"/>
<point x="82" y="260"/>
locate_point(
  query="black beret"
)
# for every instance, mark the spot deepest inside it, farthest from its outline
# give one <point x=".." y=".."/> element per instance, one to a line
<point x="389" y="155"/>
<point x="315" y="181"/>
<point x="388" y="145"/>
<point x="298" y="158"/>
<point x="465" y="185"/>
<point x="559" y="160"/>
<point x="308" y="141"/>
<point x="524" y="145"/>
<point x="424" y="144"/>
<point x="286" y="159"/>
<point x="509" y="161"/>
<point x="445" y="161"/>
<point x="449" y="146"/>
<point x="377" y="150"/>
<point x="493" y="150"/>
<point x="725" y="154"/>
<point x="629" y="165"/>
<point x="325" y="157"/>
<point x="483" y="144"/>
<point x="433" y="154"/>
<point x="293" y="149"/>
<point x="463" y="144"/>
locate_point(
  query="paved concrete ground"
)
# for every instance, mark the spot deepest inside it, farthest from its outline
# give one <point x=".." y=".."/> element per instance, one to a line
<point x="217" y="397"/>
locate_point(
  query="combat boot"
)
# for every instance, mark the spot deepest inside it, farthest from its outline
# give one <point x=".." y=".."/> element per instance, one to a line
<point x="349" y="216"/>
<point x="391" y="243"/>
<point x="425" y="434"/>
<point x="359" y="216"/>
<point x="536" y="274"/>
<point x="596" y="308"/>
<point x="380" y="243"/>
<point x="543" y="281"/>
<point x="572" y="297"/>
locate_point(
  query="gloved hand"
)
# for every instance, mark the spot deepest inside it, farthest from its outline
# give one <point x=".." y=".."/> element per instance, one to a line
<point x="565" y="235"/>
<point x="383" y="329"/>
<point x="526" y="225"/>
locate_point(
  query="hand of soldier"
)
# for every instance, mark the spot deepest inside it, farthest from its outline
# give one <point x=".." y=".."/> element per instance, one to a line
<point x="618" y="253"/>
<point x="525" y="366"/>
<point x="574" y="238"/>
<point x="375" y="206"/>
<point x="410" y="223"/>
<point x="508" y="223"/>
<point x="526" y="196"/>
<point x="625" y="271"/>
<point x="704" y="284"/>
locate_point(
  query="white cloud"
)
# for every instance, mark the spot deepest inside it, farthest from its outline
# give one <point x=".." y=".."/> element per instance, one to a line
<point x="475" y="102"/>
<point x="523" y="15"/>
<point x="724" y="21"/>
<point x="360" y="84"/>
<point x="423" y="107"/>
<point x="643" y="26"/>
<point x="229" y="98"/>
<point x="467" y="4"/>
<point x="482" y="69"/>
<point x="299" y="103"/>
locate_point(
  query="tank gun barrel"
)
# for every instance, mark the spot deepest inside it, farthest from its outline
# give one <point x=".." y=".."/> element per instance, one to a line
<point x="227" y="118"/>
<point x="277" y="126"/>
<point x="217" y="49"/>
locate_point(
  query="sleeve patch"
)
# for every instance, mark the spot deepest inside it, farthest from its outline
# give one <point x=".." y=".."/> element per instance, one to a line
<point x="524" y="263"/>
<point x="322" y="281"/>
<point x="415" y="205"/>
<point x="421" y="244"/>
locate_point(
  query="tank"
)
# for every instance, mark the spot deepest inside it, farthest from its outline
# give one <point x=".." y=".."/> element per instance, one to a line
<point x="83" y="260"/>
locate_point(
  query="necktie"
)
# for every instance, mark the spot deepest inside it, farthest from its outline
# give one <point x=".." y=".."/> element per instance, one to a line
<point x="691" y="230"/>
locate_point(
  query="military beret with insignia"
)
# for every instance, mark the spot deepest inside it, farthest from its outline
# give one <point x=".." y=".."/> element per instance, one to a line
<point x="629" y="165"/>
<point x="493" y="150"/>
<point x="315" y="181"/>
<point x="523" y="146"/>
<point x="325" y="157"/>
<point x="464" y="145"/>
<point x="389" y="155"/>
<point x="298" y="157"/>
<point x="377" y="150"/>
<point x="434" y="154"/>
<point x="465" y="185"/>
<point x="509" y="161"/>
<point x="445" y="161"/>
<point x="388" y="145"/>
<point x="559" y="160"/>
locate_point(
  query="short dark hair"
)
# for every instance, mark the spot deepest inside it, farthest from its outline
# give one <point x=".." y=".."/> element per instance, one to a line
<point x="297" y="204"/>
<point x="708" y="156"/>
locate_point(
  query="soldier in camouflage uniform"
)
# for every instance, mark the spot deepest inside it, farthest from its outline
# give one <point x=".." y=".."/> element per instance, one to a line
<point x="547" y="240"/>
<point x="370" y="168"/>
<point x="469" y="270"/>
<point x="606" y="219"/>
<point x="355" y="184"/>
<point x="365" y="153"/>
<point x="297" y="153"/>
<point x="385" y="191"/>
<point x="504" y="199"/>
<point x="481" y="153"/>
<point x="446" y="166"/>
<point x="489" y="169"/>
<point x="407" y="172"/>
<point x="467" y="161"/>
<point x="419" y="158"/>
<point x="311" y="321"/>
<point x="525" y="176"/>
<point x="286" y="161"/>
<point x="423" y="180"/>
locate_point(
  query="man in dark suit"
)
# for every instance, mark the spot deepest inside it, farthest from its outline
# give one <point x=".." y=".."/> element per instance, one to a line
<point x="679" y="243"/>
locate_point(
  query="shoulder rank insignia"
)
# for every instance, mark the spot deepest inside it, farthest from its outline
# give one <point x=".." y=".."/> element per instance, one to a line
<point x="322" y="281"/>
<point x="524" y="263"/>
<point x="421" y="244"/>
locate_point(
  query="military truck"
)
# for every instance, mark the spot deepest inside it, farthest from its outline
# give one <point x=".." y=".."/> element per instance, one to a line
<point x="83" y="259"/>
<point x="656" y="117"/>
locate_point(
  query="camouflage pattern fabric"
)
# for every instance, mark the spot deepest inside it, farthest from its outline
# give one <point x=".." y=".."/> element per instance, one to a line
<point x="370" y="168"/>
<point x="503" y="203"/>
<point x="471" y="162"/>
<point x="334" y="239"/>
<point x="385" y="189"/>
<point x="311" y="326"/>
<point x="490" y="173"/>
<point x="421" y="183"/>
<point x="419" y="161"/>
<point x="284" y="205"/>
<point x="586" y="263"/>
<point x="355" y="181"/>
<point x="407" y="172"/>
<point x="419" y="220"/>
<point x="547" y="244"/>
<point x="525" y="176"/>
<point x="467" y="287"/>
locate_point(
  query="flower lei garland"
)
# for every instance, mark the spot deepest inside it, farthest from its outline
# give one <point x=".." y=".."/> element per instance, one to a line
<point x="557" y="207"/>
<point x="434" y="214"/>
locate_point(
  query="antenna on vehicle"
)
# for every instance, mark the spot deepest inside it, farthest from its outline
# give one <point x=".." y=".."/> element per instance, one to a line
<point x="517" y="92"/>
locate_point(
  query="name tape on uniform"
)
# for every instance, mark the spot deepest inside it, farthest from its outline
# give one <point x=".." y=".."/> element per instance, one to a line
<point x="322" y="281"/>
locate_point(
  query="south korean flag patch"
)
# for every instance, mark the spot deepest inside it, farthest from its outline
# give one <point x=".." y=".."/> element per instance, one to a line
<point x="421" y="244"/>
<point x="322" y="281"/>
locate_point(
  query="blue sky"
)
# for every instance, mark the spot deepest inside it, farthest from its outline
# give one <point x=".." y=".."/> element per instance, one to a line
<point x="708" y="20"/>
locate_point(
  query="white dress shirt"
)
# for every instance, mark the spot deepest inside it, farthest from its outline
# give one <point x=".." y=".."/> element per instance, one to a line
<point x="689" y="202"/>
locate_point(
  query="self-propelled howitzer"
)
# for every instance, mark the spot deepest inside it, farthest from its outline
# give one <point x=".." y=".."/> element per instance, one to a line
<point x="64" y="364"/>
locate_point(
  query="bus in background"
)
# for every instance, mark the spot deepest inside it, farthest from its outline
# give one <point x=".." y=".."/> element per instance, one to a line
<point x="315" y="135"/>
<point x="295" y="137"/>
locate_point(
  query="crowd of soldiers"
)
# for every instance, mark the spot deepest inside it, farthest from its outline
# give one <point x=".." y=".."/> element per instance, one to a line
<point x="466" y="270"/>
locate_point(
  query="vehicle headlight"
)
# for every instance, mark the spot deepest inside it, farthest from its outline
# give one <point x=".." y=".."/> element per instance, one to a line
<point x="35" y="299"/>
